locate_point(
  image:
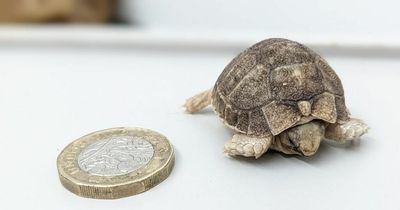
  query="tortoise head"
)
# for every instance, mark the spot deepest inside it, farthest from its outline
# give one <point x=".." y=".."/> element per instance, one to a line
<point x="302" y="139"/>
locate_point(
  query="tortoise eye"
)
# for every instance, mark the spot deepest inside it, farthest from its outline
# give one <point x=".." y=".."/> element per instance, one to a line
<point x="293" y="143"/>
<point x="292" y="139"/>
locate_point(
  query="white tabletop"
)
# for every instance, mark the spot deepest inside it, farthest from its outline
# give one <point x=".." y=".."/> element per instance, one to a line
<point x="51" y="96"/>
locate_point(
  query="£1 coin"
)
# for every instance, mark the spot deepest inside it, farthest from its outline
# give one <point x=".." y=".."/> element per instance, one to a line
<point x="115" y="163"/>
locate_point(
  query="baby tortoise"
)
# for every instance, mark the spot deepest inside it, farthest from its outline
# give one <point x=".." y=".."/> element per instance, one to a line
<point x="281" y="95"/>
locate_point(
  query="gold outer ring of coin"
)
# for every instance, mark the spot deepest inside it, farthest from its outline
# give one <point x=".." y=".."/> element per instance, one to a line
<point x="142" y="179"/>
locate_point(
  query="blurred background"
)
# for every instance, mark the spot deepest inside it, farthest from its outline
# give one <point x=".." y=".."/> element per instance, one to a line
<point x="355" y="27"/>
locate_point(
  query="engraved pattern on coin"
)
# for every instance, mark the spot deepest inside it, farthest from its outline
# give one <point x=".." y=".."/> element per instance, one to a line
<point x="117" y="155"/>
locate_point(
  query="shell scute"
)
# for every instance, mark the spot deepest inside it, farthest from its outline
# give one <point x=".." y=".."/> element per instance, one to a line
<point x="342" y="113"/>
<point x="257" y="123"/>
<point x="253" y="89"/>
<point x="234" y="73"/>
<point x="332" y="82"/>
<point x="324" y="107"/>
<point x="231" y="116"/>
<point x="296" y="82"/>
<point x="280" y="116"/>
<point x="243" y="121"/>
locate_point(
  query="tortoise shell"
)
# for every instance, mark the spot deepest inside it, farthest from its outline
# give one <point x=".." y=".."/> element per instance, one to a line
<point x="259" y="91"/>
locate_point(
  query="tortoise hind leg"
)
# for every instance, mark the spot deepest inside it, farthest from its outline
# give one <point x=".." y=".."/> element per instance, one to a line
<point x="346" y="131"/>
<point x="198" y="102"/>
<point x="247" y="146"/>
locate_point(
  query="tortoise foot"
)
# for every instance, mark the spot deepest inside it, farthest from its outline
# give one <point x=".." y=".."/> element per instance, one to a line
<point x="247" y="146"/>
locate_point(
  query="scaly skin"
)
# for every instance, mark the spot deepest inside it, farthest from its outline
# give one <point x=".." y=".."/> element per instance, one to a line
<point x="247" y="146"/>
<point x="346" y="131"/>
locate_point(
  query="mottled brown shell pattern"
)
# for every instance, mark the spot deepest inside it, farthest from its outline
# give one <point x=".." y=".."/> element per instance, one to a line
<point x="258" y="91"/>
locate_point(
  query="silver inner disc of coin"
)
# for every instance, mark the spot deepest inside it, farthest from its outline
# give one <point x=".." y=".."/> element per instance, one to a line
<point x="116" y="155"/>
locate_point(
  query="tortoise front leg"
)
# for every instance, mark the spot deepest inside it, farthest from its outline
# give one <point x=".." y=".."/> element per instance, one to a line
<point x="346" y="131"/>
<point x="198" y="102"/>
<point x="247" y="146"/>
